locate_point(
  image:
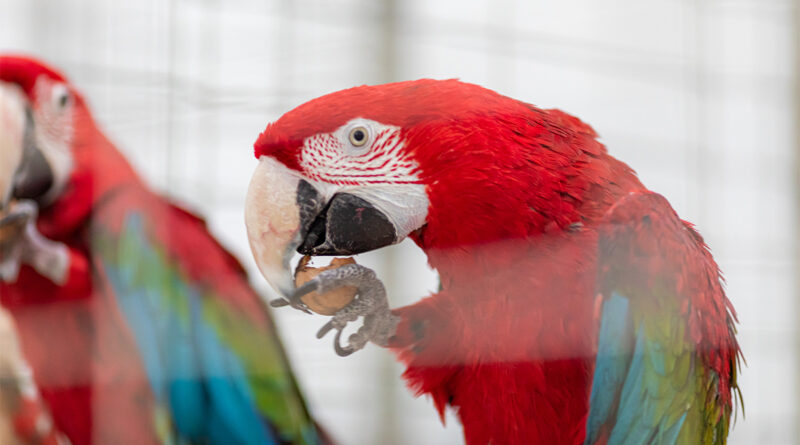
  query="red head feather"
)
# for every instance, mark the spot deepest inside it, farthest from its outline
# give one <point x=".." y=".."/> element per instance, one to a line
<point x="479" y="152"/>
<point x="97" y="165"/>
<point x="401" y="104"/>
<point x="24" y="71"/>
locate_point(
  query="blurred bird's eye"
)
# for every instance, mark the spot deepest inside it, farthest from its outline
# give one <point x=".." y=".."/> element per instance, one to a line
<point x="60" y="96"/>
<point x="62" y="101"/>
<point x="358" y="136"/>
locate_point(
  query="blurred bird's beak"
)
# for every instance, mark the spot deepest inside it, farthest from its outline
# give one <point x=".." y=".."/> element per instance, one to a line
<point x="287" y="213"/>
<point x="12" y="137"/>
<point x="25" y="172"/>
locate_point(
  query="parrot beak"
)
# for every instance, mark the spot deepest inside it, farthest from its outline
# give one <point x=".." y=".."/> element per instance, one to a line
<point x="12" y="134"/>
<point x="272" y="217"/>
<point x="25" y="173"/>
<point x="34" y="178"/>
<point x="287" y="213"/>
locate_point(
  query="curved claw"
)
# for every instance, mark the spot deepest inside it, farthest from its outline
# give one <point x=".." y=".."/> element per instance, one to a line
<point x="295" y="299"/>
<point x="298" y="304"/>
<point x="325" y="329"/>
<point x="342" y="351"/>
<point x="279" y="302"/>
<point x="306" y="288"/>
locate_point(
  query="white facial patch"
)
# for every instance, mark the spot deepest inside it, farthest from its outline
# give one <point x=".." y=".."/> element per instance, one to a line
<point x="53" y="117"/>
<point x="334" y="158"/>
<point x="406" y="205"/>
<point x="366" y="159"/>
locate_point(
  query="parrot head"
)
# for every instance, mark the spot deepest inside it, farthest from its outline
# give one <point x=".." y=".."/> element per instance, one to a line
<point x="51" y="150"/>
<point x="444" y="162"/>
<point x="37" y="109"/>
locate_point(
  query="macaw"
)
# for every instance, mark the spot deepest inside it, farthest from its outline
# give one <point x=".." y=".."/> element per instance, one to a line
<point x="138" y="326"/>
<point x="575" y="306"/>
<point x="24" y="416"/>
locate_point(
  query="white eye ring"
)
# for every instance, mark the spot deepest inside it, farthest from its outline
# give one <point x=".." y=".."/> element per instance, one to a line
<point x="358" y="136"/>
<point x="60" y="96"/>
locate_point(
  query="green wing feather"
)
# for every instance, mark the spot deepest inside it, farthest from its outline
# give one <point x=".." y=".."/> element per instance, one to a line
<point x="667" y="356"/>
<point x="185" y="326"/>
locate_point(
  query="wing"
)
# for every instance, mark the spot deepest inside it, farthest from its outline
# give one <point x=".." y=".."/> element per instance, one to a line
<point x="667" y="356"/>
<point x="214" y="362"/>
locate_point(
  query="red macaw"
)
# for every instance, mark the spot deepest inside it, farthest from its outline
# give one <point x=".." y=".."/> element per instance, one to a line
<point x="575" y="305"/>
<point x="138" y="326"/>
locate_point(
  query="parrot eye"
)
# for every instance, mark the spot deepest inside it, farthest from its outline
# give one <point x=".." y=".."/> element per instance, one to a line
<point x="358" y="136"/>
<point x="60" y="96"/>
<point x="62" y="101"/>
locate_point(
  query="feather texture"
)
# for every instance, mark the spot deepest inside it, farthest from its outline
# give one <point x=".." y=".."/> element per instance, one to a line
<point x="670" y="386"/>
<point x="529" y="220"/>
<point x="215" y="367"/>
<point x="156" y="336"/>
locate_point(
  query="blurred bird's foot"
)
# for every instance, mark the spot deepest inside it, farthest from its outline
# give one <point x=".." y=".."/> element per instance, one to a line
<point x="21" y="243"/>
<point x="370" y="302"/>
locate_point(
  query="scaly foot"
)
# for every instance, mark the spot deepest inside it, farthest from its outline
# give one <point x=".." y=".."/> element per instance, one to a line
<point x="370" y="302"/>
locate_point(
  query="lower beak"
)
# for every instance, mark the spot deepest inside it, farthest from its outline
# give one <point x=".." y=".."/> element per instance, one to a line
<point x="285" y="213"/>
<point x="33" y="178"/>
<point x="12" y="135"/>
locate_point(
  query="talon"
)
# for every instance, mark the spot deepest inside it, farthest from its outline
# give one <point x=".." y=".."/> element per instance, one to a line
<point x="307" y="288"/>
<point x="295" y="300"/>
<point x="325" y="329"/>
<point x="300" y="306"/>
<point x="279" y="302"/>
<point x="342" y="351"/>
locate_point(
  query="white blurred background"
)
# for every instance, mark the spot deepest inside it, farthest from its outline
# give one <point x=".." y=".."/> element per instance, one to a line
<point x="697" y="95"/>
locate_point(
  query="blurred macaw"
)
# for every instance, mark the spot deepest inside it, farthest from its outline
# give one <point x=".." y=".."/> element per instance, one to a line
<point x="575" y="305"/>
<point x="138" y="326"/>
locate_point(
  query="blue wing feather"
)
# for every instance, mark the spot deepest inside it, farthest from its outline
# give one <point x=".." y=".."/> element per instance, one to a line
<point x="613" y="357"/>
<point x="192" y="373"/>
<point x="631" y="425"/>
<point x="621" y="404"/>
<point x="651" y="382"/>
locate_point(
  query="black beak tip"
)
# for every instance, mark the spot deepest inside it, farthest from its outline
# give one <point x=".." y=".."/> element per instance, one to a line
<point x="34" y="177"/>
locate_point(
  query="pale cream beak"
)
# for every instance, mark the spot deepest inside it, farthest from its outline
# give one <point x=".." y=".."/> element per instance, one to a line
<point x="12" y="133"/>
<point x="286" y="213"/>
<point x="272" y="217"/>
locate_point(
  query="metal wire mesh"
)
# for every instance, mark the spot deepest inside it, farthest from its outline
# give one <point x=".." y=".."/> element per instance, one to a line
<point x="694" y="95"/>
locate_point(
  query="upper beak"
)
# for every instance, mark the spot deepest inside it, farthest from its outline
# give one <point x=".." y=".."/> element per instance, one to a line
<point x="287" y="213"/>
<point x="12" y="134"/>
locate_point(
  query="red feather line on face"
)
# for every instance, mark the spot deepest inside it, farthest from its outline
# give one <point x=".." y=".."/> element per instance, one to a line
<point x="325" y="158"/>
<point x="24" y="71"/>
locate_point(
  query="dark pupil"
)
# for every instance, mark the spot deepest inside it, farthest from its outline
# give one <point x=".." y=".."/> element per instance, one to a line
<point x="62" y="101"/>
<point x="358" y="135"/>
